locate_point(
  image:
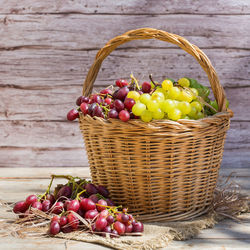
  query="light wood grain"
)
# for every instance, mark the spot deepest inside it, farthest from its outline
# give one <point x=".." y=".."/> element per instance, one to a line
<point x="75" y="32"/>
<point x="40" y="68"/>
<point x="126" y="7"/>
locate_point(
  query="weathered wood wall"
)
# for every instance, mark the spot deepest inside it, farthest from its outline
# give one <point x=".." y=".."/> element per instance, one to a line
<point x="46" y="48"/>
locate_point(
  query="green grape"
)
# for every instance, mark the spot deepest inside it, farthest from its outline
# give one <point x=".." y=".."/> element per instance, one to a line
<point x="199" y="115"/>
<point x="152" y="105"/>
<point x="193" y="112"/>
<point x="186" y="96"/>
<point x="185" y="107"/>
<point x="138" y="108"/>
<point x="145" y="98"/>
<point x="146" y="116"/>
<point x="174" y="93"/>
<point x="194" y="91"/>
<point x="174" y="114"/>
<point x="134" y="95"/>
<point x="168" y="105"/>
<point x="185" y="117"/>
<point x="158" y="114"/>
<point x="164" y="92"/>
<point x="157" y="95"/>
<point x="196" y="105"/>
<point x="184" y="82"/>
<point x="161" y="105"/>
<point x="167" y="84"/>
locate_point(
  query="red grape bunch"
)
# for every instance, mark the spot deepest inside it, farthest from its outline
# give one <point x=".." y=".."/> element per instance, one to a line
<point x="79" y="203"/>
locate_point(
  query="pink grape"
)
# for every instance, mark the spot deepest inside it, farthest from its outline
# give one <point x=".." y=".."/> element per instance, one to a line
<point x="63" y="221"/>
<point x="54" y="228"/>
<point x="31" y="199"/>
<point x="56" y="218"/>
<point x="91" y="214"/>
<point x="101" y="223"/>
<point x="121" y="83"/>
<point x="119" y="227"/>
<point x="125" y="218"/>
<point x="110" y="219"/>
<point x="124" y="115"/>
<point x="137" y="226"/>
<point x="87" y="204"/>
<point x="57" y="208"/>
<point x="102" y="203"/>
<point x="104" y="213"/>
<point x="37" y="205"/>
<point x="73" y="220"/>
<point x="73" y="205"/>
<point x="128" y="228"/>
<point x="108" y="100"/>
<point x="84" y="108"/>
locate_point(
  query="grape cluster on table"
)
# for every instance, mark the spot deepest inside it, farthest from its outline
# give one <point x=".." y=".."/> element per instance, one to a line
<point x="184" y="99"/>
<point x="68" y="208"/>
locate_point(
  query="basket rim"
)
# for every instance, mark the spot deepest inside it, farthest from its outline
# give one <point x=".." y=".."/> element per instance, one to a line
<point x="217" y="119"/>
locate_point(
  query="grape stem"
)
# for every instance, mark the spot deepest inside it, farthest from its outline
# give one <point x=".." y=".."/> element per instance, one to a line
<point x="135" y="81"/>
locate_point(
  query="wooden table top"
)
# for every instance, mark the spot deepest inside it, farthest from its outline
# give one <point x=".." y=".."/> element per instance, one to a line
<point x="17" y="183"/>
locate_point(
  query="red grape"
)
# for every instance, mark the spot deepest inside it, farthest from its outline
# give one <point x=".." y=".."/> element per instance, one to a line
<point x="95" y="99"/>
<point x="137" y="226"/>
<point x="84" y="108"/>
<point x="119" y="217"/>
<point x="20" y="207"/>
<point x="103" y="191"/>
<point x="81" y="99"/>
<point x="106" y="230"/>
<point x="113" y="114"/>
<point x="101" y="223"/>
<point x="114" y="233"/>
<point x="102" y="203"/>
<point x="73" y="220"/>
<point x="54" y="228"/>
<point x="128" y="228"/>
<point x="125" y="218"/>
<point x="108" y="100"/>
<point x="91" y="108"/>
<point x="56" y="218"/>
<point x="118" y="105"/>
<point x="87" y="204"/>
<point x="121" y="83"/>
<point x="119" y="227"/>
<point x="91" y="214"/>
<point x="124" y="115"/>
<point x="110" y="203"/>
<point x="81" y="213"/>
<point x="110" y="219"/>
<point x="37" y="205"/>
<point x="146" y="87"/>
<point x="97" y="111"/>
<point x="72" y="115"/>
<point x="64" y="193"/>
<point x="51" y="198"/>
<point x="67" y="229"/>
<point x="122" y="93"/>
<point x="129" y="103"/>
<point x="31" y="199"/>
<point x="106" y="91"/>
<point x="94" y="198"/>
<point x="63" y="221"/>
<point x="57" y="208"/>
<point x="73" y="205"/>
<point x="91" y="189"/>
<point x="132" y="116"/>
<point x="104" y="213"/>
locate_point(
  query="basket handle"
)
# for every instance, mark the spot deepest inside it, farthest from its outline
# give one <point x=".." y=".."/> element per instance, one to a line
<point x="149" y="33"/>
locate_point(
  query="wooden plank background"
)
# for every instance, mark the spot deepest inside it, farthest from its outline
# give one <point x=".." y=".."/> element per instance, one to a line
<point x="47" y="47"/>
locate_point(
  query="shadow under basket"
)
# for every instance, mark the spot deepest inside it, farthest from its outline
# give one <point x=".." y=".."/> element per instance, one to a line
<point x="163" y="170"/>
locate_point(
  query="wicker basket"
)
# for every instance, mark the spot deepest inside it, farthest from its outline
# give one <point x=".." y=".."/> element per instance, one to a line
<point x="162" y="170"/>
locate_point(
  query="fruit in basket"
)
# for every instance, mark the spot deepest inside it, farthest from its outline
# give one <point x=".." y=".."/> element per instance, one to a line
<point x="184" y="99"/>
<point x="94" y="214"/>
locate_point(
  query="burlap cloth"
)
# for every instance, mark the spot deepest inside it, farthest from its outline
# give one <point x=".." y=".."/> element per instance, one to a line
<point x="228" y="203"/>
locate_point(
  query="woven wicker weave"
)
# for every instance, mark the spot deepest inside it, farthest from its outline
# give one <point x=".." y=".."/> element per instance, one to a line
<point x="162" y="170"/>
